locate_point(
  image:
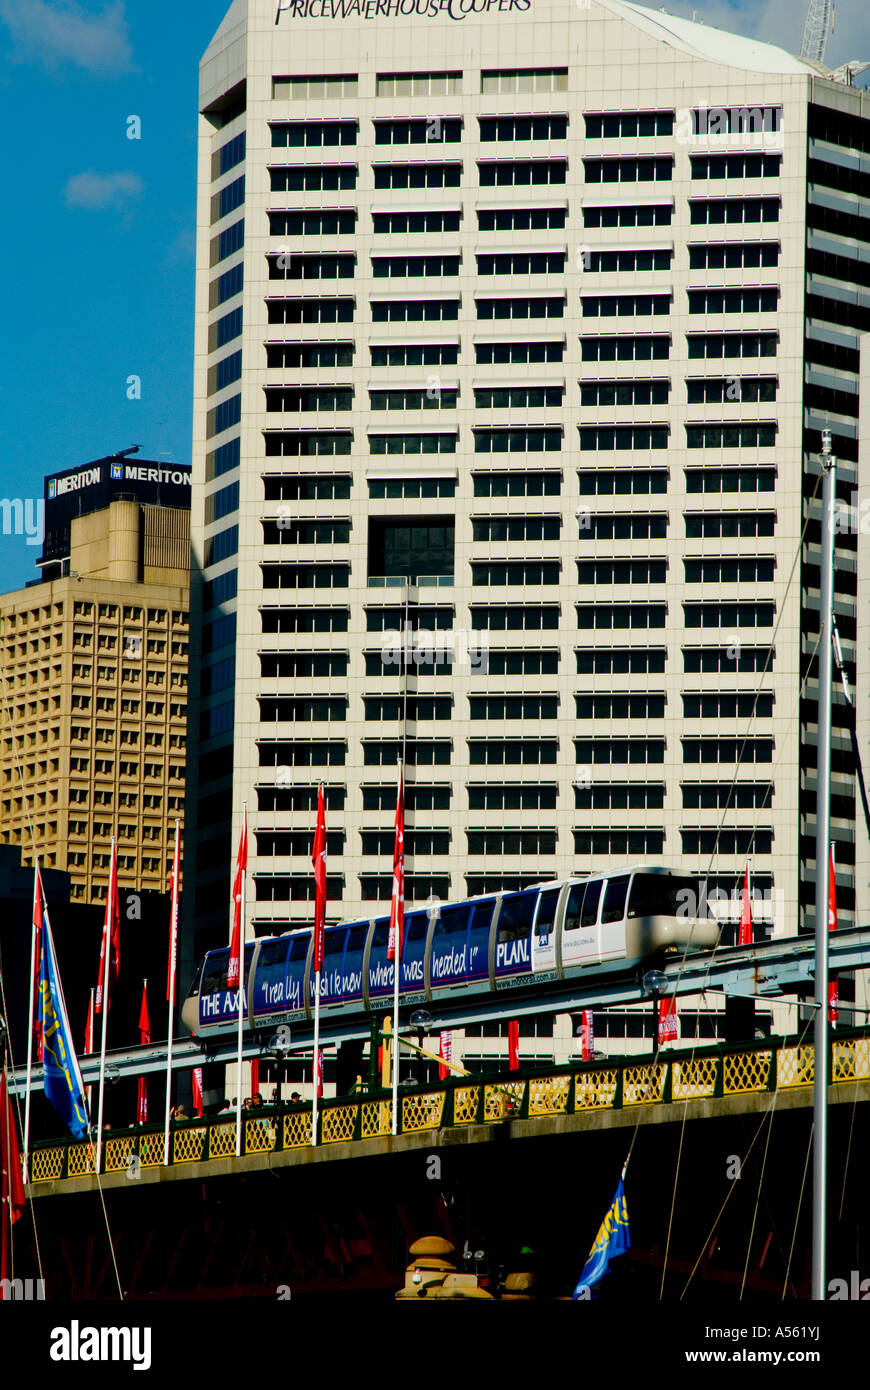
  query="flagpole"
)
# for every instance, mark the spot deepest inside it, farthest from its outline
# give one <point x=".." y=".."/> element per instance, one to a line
<point x="90" y="1089"/>
<point x="241" y="993"/>
<point x="397" y="966"/>
<point x="107" y="970"/>
<point x="173" y="929"/>
<point x="30" y="1024"/>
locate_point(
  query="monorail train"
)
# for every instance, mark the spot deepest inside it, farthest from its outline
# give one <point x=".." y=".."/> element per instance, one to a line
<point x="542" y="934"/>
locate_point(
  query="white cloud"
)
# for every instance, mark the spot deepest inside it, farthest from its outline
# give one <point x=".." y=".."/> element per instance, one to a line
<point x="93" y="190"/>
<point x="66" y="32"/>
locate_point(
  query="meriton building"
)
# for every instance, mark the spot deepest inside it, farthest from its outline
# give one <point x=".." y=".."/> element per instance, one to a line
<point x="517" y="325"/>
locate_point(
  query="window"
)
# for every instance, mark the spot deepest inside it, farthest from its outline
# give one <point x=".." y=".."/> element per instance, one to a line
<point x="734" y="255"/>
<point x="512" y="707"/>
<point x="620" y="796"/>
<point x="718" y="390"/>
<point x="402" y="267"/>
<point x="341" y="222"/>
<point x="626" y="215"/>
<point x="514" y="572"/>
<point x="519" y="173"/>
<point x="517" y="397"/>
<point x="219" y="547"/>
<point x="223" y="373"/>
<point x="629" y="125"/>
<point x="621" y="615"/>
<point x="626" y="349"/>
<point x="624" y="305"/>
<point x="298" y="134"/>
<point x="309" y="354"/>
<point x="755" y="841"/>
<point x="712" y="211"/>
<point x="523" y="663"/>
<point x="423" y="131"/>
<point x="735" y="570"/>
<point x="328" y="310"/>
<point x="620" y="706"/>
<point x="312" y="178"/>
<point x="636" y="170"/>
<point x="308" y="443"/>
<point x="517" y="81"/>
<point x="493" y="354"/>
<point x="609" y="437"/>
<point x="721" y="795"/>
<point x="623" y="482"/>
<point x="744" y="704"/>
<point x="734" y="120"/>
<point x="311" y="267"/>
<point x="393" y="708"/>
<point x="486" y="842"/>
<point x="306" y="576"/>
<point x="521" y="219"/>
<point x="632" y="392"/>
<point x="735" y="166"/>
<point x="228" y="199"/>
<point x="414" y="310"/>
<point x="498" y="752"/>
<point x="621" y="661"/>
<point x="418" y="84"/>
<point x="287" y="532"/>
<point x="224" y="416"/>
<point x="414" y="398"/>
<point x="522" y="128"/>
<point x="302" y="754"/>
<point x="658" y="258"/>
<point x="730" y="480"/>
<point x="517" y="798"/>
<point x="522" y="263"/>
<point x="303" y="487"/>
<point x="329" y="398"/>
<point x="736" y="301"/>
<point x="304" y="664"/>
<point x="297" y="620"/>
<point x="226" y="286"/>
<point x="517" y="528"/>
<point x="223" y="459"/>
<point x="756" y="436"/>
<point x="221" y="332"/>
<point x="418" y="752"/>
<point x="517" y="484"/>
<point x="412" y="443"/>
<point x="420" y="175"/>
<point x="619" y="750"/>
<point x="329" y="88"/>
<point x="625" y="843"/>
<point x="729" y="614"/>
<point x="732" y="344"/>
<point x="410" y="223"/>
<point x="730" y="659"/>
<point x="415" y="355"/>
<point x="518" y="439"/>
<point x="522" y="307"/>
<point x="229" y="241"/>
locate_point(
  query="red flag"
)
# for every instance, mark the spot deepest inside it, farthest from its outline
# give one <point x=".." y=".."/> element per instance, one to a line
<point x="89" y="1042"/>
<point x="745" y="935"/>
<point x="319" y="1071"/>
<point x="255" y="1076"/>
<point x="144" y="1038"/>
<point x="446" y="1050"/>
<point x="235" y="943"/>
<point x="397" y="903"/>
<point x="587" y="1036"/>
<point x="12" y="1198"/>
<point x="833" y="985"/>
<point x="174" y="880"/>
<point x="667" y="1020"/>
<point x="513" y="1045"/>
<point x="111" y="929"/>
<point x="38" y="910"/>
<point x="197" y="1090"/>
<point x="318" y="859"/>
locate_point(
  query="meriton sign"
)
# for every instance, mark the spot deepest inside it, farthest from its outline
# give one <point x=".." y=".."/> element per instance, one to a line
<point x="393" y="9"/>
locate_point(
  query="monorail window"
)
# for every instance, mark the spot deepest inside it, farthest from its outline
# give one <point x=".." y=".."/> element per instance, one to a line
<point x="299" y="948"/>
<point x="416" y="927"/>
<point x="451" y="921"/>
<point x="215" y="972"/>
<point x="614" y="899"/>
<point x="357" y="939"/>
<point x="546" y="912"/>
<point x="666" y="895"/>
<point x="582" y="910"/>
<point x="194" y="987"/>
<point x="272" y="953"/>
<point x="334" y="942"/>
<point x="482" y="919"/>
<point x="515" y="917"/>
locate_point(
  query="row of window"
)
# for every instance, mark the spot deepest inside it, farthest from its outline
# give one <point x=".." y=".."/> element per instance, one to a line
<point x="522" y="439"/>
<point x="426" y="708"/>
<point x="340" y="309"/>
<point x="500" y="752"/>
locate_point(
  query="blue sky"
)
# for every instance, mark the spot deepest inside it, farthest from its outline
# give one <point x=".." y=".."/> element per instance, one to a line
<point x="98" y="248"/>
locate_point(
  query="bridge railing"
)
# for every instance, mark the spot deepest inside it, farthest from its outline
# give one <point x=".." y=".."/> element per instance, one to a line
<point x="605" y="1084"/>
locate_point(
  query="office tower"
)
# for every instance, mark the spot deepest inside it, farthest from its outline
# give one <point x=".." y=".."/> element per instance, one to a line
<point x="517" y="326"/>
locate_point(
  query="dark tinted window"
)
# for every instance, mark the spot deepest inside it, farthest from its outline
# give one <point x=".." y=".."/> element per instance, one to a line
<point x="614" y="899"/>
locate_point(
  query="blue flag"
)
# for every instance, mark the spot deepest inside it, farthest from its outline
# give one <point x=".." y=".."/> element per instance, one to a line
<point x="613" y="1239"/>
<point x="60" y="1069"/>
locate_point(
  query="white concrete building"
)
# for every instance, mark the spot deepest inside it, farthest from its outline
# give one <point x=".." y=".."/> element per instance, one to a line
<point x="518" y="320"/>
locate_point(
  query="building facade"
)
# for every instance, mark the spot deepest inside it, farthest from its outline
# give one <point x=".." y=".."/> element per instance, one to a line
<point x="517" y="326"/>
<point x="93" y="724"/>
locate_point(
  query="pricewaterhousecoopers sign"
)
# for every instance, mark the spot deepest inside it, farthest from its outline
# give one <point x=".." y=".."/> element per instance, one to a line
<point x="394" y="9"/>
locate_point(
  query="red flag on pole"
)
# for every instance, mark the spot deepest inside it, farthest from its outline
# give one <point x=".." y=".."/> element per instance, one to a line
<point x="667" y="1020"/>
<point x="12" y="1197"/>
<point x="513" y="1045"/>
<point x="235" y="943"/>
<point x="397" y="903"/>
<point x="318" y="859"/>
<point x="144" y="1038"/>
<point x="111" y="930"/>
<point x="745" y="935"/>
<point x="833" y="985"/>
<point x="587" y="1036"/>
<point x="197" y="1090"/>
<point x="319" y="1071"/>
<point x="255" y="1076"/>
<point x="446" y="1050"/>
<point x="174" y="879"/>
